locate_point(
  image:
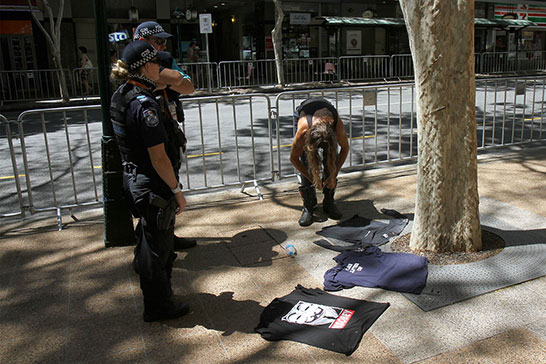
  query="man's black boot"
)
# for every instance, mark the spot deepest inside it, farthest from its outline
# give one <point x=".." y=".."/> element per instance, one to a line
<point x="328" y="204"/>
<point x="181" y="243"/>
<point x="309" y="199"/>
<point x="164" y="311"/>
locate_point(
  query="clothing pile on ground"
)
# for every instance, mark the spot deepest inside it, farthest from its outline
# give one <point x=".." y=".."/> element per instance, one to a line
<point x="363" y="264"/>
<point x="320" y="319"/>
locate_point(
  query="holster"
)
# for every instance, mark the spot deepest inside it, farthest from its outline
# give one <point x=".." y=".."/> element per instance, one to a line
<point x="167" y="210"/>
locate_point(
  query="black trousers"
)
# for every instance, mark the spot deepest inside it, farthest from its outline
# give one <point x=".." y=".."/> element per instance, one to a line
<point x="154" y="255"/>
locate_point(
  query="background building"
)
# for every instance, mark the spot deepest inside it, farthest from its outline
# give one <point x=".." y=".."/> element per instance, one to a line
<point x="242" y="29"/>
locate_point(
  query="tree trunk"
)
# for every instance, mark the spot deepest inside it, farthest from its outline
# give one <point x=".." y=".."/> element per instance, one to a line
<point x="276" y="36"/>
<point x="441" y="35"/>
<point x="61" y="76"/>
<point x="54" y="41"/>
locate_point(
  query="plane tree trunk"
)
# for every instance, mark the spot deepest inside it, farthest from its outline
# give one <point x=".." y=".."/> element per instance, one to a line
<point x="441" y="35"/>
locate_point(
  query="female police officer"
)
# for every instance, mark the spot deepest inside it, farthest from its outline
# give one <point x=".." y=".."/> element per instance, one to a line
<point x="320" y="130"/>
<point x="149" y="180"/>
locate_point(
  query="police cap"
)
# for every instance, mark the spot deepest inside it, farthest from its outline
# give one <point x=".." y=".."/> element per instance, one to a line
<point x="137" y="53"/>
<point x="150" y="28"/>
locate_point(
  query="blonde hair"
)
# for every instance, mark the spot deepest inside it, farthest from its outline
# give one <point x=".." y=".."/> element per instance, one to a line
<point x="321" y="135"/>
<point x="121" y="72"/>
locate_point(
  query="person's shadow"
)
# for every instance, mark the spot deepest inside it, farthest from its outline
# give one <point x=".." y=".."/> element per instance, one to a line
<point x="220" y="313"/>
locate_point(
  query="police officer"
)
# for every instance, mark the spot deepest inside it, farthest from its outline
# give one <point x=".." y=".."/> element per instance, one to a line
<point x="149" y="180"/>
<point x="176" y="82"/>
<point x="320" y="131"/>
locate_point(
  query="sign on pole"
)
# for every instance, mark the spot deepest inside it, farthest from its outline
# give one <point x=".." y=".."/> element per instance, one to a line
<point x="205" y="23"/>
<point x="205" y="27"/>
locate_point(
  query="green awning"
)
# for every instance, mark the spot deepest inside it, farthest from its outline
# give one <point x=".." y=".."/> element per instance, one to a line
<point x="503" y="23"/>
<point x="353" y="20"/>
<point x="378" y="22"/>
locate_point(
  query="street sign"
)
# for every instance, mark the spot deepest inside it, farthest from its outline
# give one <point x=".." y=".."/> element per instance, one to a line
<point x="205" y="23"/>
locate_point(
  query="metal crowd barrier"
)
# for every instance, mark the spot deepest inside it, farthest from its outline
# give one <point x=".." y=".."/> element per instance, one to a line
<point x="381" y="122"/>
<point x="358" y="68"/>
<point x="304" y="70"/>
<point x="43" y="84"/>
<point x="401" y="66"/>
<point x="204" y="74"/>
<point x="78" y="86"/>
<point x="513" y="111"/>
<point x="32" y="84"/>
<point x="13" y="196"/>
<point x="60" y="178"/>
<point x="246" y="73"/>
<point x="245" y="139"/>
<point x="378" y="129"/>
<point x="230" y="144"/>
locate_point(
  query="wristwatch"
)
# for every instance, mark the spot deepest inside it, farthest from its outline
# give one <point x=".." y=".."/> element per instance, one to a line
<point x="177" y="189"/>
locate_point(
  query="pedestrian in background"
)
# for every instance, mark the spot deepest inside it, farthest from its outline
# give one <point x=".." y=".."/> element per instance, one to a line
<point x="85" y="69"/>
<point x="173" y="82"/>
<point x="149" y="181"/>
<point x="193" y="53"/>
<point x="314" y="154"/>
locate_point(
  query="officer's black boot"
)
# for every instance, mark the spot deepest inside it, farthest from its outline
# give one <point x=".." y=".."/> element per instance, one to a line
<point x="181" y="243"/>
<point x="328" y="204"/>
<point x="166" y="310"/>
<point x="309" y="200"/>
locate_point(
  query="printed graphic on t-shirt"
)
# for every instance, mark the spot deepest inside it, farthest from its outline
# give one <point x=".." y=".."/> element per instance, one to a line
<point x="306" y="313"/>
<point x="354" y="267"/>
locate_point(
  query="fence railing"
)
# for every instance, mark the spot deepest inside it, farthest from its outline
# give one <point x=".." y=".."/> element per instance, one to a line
<point x="245" y="139"/>
<point x="85" y="83"/>
<point x="204" y="75"/>
<point x="43" y="84"/>
<point x="12" y="196"/>
<point x="305" y="70"/>
<point x="246" y="73"/>
<point x="32" y="84"/>
<point x="356" y="68"/>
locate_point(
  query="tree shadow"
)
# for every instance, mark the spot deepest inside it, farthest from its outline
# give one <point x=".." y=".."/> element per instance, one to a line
<point x="246" y="248"/>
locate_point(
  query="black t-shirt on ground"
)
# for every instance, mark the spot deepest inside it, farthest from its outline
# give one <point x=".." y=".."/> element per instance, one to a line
<point x="317" y="318"/>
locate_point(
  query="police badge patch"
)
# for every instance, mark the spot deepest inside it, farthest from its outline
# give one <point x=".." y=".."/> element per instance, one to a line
<point x="150" y="118"/>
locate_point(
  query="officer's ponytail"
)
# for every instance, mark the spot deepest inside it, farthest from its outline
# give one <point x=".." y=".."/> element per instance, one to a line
<point x="120" y="71"/>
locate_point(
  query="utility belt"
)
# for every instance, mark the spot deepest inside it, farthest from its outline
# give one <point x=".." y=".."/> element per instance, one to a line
<point x="133" y="169"/>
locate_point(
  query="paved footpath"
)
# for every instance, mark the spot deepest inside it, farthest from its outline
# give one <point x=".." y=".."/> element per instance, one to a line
<point x="64" y="298"/>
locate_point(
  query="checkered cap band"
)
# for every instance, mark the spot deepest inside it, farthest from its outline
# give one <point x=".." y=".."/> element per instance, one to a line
<point x="137" y="53"/>
<point x="150" y="28"/>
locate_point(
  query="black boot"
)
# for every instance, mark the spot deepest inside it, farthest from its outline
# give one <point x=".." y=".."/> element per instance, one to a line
<point x="309" y="200"/>
<point x="180" y="243"/>
<point x="164" y="311"/>
<point x="328" y="204"/>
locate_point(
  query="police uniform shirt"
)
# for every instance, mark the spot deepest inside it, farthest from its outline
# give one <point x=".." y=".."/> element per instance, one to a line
<point x="317" y="318"/>
<point x="146" y="128"/>
<point x="401" y="272"/>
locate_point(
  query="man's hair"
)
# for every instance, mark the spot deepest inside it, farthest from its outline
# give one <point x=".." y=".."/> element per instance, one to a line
<point x="321" y="135"/>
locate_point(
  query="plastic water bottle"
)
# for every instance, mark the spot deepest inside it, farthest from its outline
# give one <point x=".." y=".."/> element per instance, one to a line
<point x="290" y="250"/>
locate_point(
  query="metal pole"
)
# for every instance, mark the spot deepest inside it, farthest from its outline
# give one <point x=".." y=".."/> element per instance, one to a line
<point x="207" y="45"/>
<point x="118" y="224"/>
